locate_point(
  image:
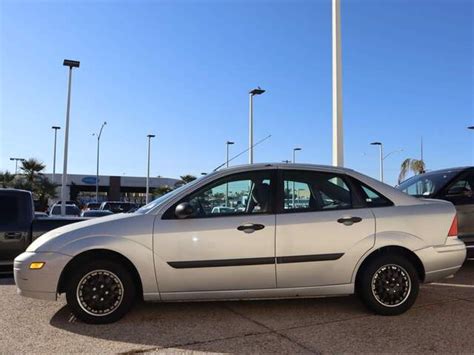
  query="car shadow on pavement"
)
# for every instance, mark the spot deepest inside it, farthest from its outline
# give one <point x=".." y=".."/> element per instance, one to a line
<point x="6" y="279"/>
<point x="205" y="325"/>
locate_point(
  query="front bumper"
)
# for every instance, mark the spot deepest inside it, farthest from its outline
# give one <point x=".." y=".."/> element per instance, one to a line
<point x="442" y="261"/>
<point x="42" y="283"/>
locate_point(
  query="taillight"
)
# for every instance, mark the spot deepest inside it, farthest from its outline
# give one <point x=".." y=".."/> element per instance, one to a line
<point x="453" y="231"/>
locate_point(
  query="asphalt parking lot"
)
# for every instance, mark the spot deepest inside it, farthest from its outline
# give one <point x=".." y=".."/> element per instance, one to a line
<point x="442" y="320"/>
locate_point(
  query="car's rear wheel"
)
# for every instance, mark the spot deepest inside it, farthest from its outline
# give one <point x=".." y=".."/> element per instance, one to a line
<point x="388" y="284"/>
<point x="100" y="292"/>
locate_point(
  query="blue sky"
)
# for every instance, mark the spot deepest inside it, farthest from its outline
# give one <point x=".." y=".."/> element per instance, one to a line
<point x="182" y="70"/>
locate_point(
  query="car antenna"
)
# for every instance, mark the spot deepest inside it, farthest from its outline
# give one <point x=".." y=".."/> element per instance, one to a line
<point x="246" y="150"/>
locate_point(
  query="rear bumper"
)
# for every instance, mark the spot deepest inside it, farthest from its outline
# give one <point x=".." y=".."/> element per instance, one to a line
<point x="442" y="261"/>
<point x="43" y="283"/>
<point x="470" y="249"/>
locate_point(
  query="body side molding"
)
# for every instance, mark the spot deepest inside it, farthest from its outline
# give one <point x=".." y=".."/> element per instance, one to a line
<point x="253" y="261"/>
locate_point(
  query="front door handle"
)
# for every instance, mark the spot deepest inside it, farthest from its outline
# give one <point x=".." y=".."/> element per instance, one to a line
<point x="349" y="221"/>
<point x="13" y="235"/>
<point x="250" y="227"/>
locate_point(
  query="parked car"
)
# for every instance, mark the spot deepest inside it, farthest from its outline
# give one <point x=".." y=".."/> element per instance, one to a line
<point x="222" y="209"/>
<point x="455" y="185"/>
<point x="91" y="206"/>
<point x="41" y="215"/>
<point x="68" y="202"/>
<point x="117" y="206"/>
<point x="96" y="213"/>
<point x="354" y="235"/>
<point x="19" y="226"/>
<point x="71" y="210"/>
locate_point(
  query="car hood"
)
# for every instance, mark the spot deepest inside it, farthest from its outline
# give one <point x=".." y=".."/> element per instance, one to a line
<point x="103" y="226"/>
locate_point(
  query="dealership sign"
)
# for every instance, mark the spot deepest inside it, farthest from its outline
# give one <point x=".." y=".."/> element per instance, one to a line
<point x="90" y="180"/>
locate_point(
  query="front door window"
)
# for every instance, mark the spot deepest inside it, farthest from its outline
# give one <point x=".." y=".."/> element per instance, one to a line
<point x="240" y="194"/>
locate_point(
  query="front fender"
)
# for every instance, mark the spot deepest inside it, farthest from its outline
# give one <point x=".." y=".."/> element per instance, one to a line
<point x="138" y="254"/>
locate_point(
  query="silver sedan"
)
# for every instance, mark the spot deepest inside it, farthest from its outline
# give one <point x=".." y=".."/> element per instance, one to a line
<point x="254" y="231"/>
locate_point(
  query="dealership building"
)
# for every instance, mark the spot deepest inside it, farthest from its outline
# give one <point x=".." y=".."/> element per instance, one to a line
<point x="82" y="188"/>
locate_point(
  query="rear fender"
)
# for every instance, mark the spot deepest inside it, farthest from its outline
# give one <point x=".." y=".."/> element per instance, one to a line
<point x="386" y="239"/>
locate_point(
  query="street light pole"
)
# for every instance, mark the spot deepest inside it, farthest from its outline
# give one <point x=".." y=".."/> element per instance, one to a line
<point x="381" y="158"/>
<point x="252" y="93"/>
<point x="294" y="154"/>
<point x="337" y="124"/>
<point x="16" y="163"/>
<point x="228" y="143"/>
<point x="97" y="171"/>
<point x="71" y="64"/>
<point x="150" y="136"/>
<point x="227" y="149"/>
<point x="54" y="153"/>
<point x="294" y="161"/>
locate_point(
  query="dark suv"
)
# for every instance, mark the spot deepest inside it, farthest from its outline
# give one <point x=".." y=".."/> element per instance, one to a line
<point x="117" y="206"/>
<point x="455" y="185"/>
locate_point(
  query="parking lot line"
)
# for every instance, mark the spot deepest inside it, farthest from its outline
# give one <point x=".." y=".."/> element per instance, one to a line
<point x="452" y="285"/>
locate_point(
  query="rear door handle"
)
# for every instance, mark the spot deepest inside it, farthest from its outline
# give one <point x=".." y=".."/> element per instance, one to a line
<point x="13" y="235"/>
<point x="349" y="221"/>
<point x="250" y="227"/>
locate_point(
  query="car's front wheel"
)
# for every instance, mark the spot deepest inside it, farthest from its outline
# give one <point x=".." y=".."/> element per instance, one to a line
<point x="388" y="284"/>
<point x="100" y="292"/>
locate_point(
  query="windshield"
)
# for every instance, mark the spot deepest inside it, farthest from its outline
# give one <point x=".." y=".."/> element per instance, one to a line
<point x="426" y="185"/>
<point x="157" y="202"/>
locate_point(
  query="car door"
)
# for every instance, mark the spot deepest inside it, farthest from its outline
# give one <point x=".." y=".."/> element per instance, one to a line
<point x="227" y="243"/>
<point x="15" y="223"/>
<point x="460" y="193"/>
<point x="322" y="229"/>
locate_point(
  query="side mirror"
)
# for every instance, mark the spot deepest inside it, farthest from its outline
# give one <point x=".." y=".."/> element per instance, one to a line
<point x="183" y="210"/>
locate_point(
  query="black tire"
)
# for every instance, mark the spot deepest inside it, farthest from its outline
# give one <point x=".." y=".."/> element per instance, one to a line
<point x="100" y="292"/>
<point x="381" y="276"/>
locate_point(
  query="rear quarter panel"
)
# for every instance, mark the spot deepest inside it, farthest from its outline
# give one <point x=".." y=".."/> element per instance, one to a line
<point x="416" y="226"/>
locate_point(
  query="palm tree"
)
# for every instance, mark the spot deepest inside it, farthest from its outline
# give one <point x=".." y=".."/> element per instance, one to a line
<point x="415" y="165"/>
<point x="32" y="169"/>
<point x="32" y="179"/>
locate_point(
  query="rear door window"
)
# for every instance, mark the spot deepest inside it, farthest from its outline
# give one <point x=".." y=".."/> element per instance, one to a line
<point x="461" y="191"/>
<point x="314" y="191"/>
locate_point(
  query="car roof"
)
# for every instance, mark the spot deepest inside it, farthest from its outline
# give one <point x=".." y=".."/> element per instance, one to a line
<point x="259" y="166"/>
<point x="449" y="170"/>
<point x="440" y="171"/>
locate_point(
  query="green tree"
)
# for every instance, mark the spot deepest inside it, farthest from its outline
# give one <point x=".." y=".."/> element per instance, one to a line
<point x="6" y="179"/>
<point x="414" y="165"/>
<point x="32" y="179"/>
<point x="161" y="190"/>
<point x="187" y="178"/>
<point x="44" y="190"/>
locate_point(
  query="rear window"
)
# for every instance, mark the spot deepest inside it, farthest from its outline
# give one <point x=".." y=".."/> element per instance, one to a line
<point x="70" y="210"/>
<point x="9" y="210"/>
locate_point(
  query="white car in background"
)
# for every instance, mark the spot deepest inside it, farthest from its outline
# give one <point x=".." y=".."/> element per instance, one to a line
<point x="347" y="234"/>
